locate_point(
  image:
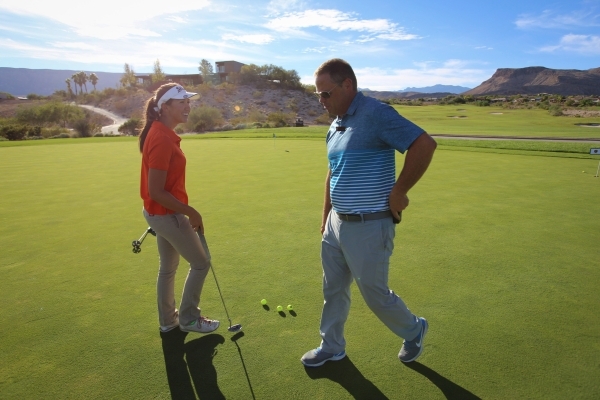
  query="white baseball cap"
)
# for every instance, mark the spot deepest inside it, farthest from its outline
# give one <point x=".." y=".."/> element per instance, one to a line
<point x="177" y="93"/>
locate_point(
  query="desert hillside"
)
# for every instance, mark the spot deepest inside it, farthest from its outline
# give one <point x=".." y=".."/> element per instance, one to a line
<point x="236" y="103"/>
<point x="535" y="80"/>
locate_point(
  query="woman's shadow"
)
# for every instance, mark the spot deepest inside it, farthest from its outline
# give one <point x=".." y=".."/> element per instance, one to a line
<point x="190" y="365"/>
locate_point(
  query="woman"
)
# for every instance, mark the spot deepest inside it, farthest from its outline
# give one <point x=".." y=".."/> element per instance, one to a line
<point x="167" y="211"/>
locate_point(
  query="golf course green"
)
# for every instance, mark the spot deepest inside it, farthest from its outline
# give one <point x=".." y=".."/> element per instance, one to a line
<point x="499" y="250"/>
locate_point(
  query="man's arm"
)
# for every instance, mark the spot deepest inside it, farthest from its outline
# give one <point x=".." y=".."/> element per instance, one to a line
<point x="416" y="162"/>
<point x="326" y="202"/>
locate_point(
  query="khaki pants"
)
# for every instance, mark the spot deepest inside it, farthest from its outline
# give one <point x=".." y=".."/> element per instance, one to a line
<point x="174" y="237"/>
<point x="359" y="251"/>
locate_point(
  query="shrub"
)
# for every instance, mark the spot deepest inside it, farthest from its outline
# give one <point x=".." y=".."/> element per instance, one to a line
<point x="280" y="119"/>
<point x="60" y="136"/>
<point x="482" y="103"/>
<point x="324" y="119"/>
<point x="555" y="110"/>
<point x="204" y="119"/>
<point x="14" y="131"/>
<point x="84" y="127"/>
<point x="130" y="127"/>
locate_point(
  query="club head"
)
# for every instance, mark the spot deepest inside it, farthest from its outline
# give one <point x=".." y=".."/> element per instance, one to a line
<point x="235" y="328"/>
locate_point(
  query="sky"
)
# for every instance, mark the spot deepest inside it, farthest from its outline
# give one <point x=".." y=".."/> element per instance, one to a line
<point x="391" y="45"/>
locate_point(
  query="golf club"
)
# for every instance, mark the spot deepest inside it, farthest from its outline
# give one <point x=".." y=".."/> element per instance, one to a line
<point x="137" y="244"/>
<point x="232" y="328"/>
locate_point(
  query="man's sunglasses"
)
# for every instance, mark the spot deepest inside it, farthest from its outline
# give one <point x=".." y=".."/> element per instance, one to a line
<point x="325" y="95"/>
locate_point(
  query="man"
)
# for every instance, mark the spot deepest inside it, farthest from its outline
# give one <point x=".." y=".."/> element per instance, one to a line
<point x="363" y="201"/>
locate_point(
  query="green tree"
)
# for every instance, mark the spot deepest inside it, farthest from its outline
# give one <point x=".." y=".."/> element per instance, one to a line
<point x="206" y="70"/>
<point x="128" y="79"/>
<point x="158" y="75"/>
<point x="93" y="80"/>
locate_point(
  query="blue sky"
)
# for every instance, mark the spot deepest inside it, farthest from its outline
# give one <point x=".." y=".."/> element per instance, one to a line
<point x="391" y="44"/>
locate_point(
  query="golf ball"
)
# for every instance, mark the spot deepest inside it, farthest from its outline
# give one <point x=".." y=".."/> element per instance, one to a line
<point x="290" y="307"/>
<point x="279" y="308"/>
<point x="263" y="302"/>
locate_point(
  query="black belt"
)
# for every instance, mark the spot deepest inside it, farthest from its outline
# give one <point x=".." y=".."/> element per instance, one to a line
<point x="366" y="217"/>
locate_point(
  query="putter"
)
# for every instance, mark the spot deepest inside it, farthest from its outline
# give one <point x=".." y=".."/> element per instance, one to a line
<point x="137" y="244"/>
<point x="232" y="328"/>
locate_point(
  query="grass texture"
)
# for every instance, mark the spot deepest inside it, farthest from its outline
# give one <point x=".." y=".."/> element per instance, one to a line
<point x="472" y="120"/>
<point x="498" y="250"/>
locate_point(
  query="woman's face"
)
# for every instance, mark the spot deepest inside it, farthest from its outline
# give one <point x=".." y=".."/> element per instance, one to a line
<point x="176" y="111"/>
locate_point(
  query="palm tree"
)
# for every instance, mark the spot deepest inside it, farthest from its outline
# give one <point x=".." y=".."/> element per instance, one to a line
<point x="69" y="90"/>
<point x="83" y="78"/>
<point x="93" y="79"/>
<point x="75" y="78"/>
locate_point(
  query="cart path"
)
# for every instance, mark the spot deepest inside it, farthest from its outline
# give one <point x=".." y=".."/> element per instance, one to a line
<point x="117" y="120"/>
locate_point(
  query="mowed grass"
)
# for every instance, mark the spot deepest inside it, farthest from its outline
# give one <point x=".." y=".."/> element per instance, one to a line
<point x="497" y="121"/>
<point x="499" y="251"/>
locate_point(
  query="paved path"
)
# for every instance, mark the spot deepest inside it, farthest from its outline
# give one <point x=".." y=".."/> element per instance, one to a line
<point x="117" y="120"/>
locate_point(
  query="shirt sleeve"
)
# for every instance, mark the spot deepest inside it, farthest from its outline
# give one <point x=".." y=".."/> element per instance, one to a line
<point x="159" y="153"/>
<point x="395" y="130"/>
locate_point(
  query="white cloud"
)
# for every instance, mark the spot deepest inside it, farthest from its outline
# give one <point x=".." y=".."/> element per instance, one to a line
<point x="552" y="20"/>
<point x="110" y="19"/>
<point x="583" y="44"/>
<point x="338" y="21"/>
<point x="252" y="39"/>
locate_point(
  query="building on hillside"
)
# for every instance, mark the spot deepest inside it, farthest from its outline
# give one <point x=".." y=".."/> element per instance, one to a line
<point x="182" y="79"/>
<point x="224" y="69"/>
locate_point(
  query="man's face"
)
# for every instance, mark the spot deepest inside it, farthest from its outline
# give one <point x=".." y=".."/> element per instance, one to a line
<point x="336" y="98"/>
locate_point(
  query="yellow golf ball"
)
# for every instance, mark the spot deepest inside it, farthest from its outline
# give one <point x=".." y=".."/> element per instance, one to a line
<point x="263" y="302"/>
<point x="279" y="308"/>
<point x="290" y="307"/>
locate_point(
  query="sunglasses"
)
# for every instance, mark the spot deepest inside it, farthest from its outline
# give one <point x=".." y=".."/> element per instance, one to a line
<point x="325" y="95"/>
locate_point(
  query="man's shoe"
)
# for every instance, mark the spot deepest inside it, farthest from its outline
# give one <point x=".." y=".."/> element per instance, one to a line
<point x="412" y="349"/>
<point x="201" y="325"/>
<point x="318" y="357"/>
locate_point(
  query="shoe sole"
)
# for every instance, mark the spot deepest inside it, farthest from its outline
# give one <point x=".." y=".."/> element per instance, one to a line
<point x="334" y="358"/>
<point x="185" y="329"/>
<point x="425" y="328"/>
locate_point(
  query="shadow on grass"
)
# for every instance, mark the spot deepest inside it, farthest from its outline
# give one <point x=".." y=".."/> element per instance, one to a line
<point x="234" y="339"/>
<point x="198" y="369"/>
<point x="450" y="389"/>
<point x="349" y="377"/>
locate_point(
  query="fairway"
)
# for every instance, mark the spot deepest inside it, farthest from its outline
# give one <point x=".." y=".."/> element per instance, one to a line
<point x="498" y="250"/>
<point x="469" y="120"/>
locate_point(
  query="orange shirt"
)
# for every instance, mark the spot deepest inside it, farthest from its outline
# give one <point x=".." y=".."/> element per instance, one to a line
<point x="161" y="151"/>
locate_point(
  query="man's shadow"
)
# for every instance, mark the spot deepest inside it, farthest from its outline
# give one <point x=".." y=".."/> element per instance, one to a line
<point x="349" y="377"/>
<point x="450" y="389"/>
<point x="194" y="359"/>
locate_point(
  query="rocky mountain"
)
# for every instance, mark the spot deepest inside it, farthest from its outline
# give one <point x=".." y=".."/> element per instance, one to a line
<point x="44" y="82"/>
<point x="535" y="80"/>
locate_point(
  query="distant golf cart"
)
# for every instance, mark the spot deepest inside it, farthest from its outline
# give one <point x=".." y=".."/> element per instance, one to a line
<point x="299" y="121"/>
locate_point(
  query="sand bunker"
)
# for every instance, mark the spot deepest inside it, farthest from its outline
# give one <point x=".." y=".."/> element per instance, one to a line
<point x="496" y="113"/>
<point x="457" y="116"/>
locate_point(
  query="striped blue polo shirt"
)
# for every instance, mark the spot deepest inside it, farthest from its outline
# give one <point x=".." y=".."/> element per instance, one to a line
<point x="361" y="149"/>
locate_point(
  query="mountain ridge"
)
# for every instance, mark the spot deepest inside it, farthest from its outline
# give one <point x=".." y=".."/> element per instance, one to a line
<point x="535" y="80"/>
